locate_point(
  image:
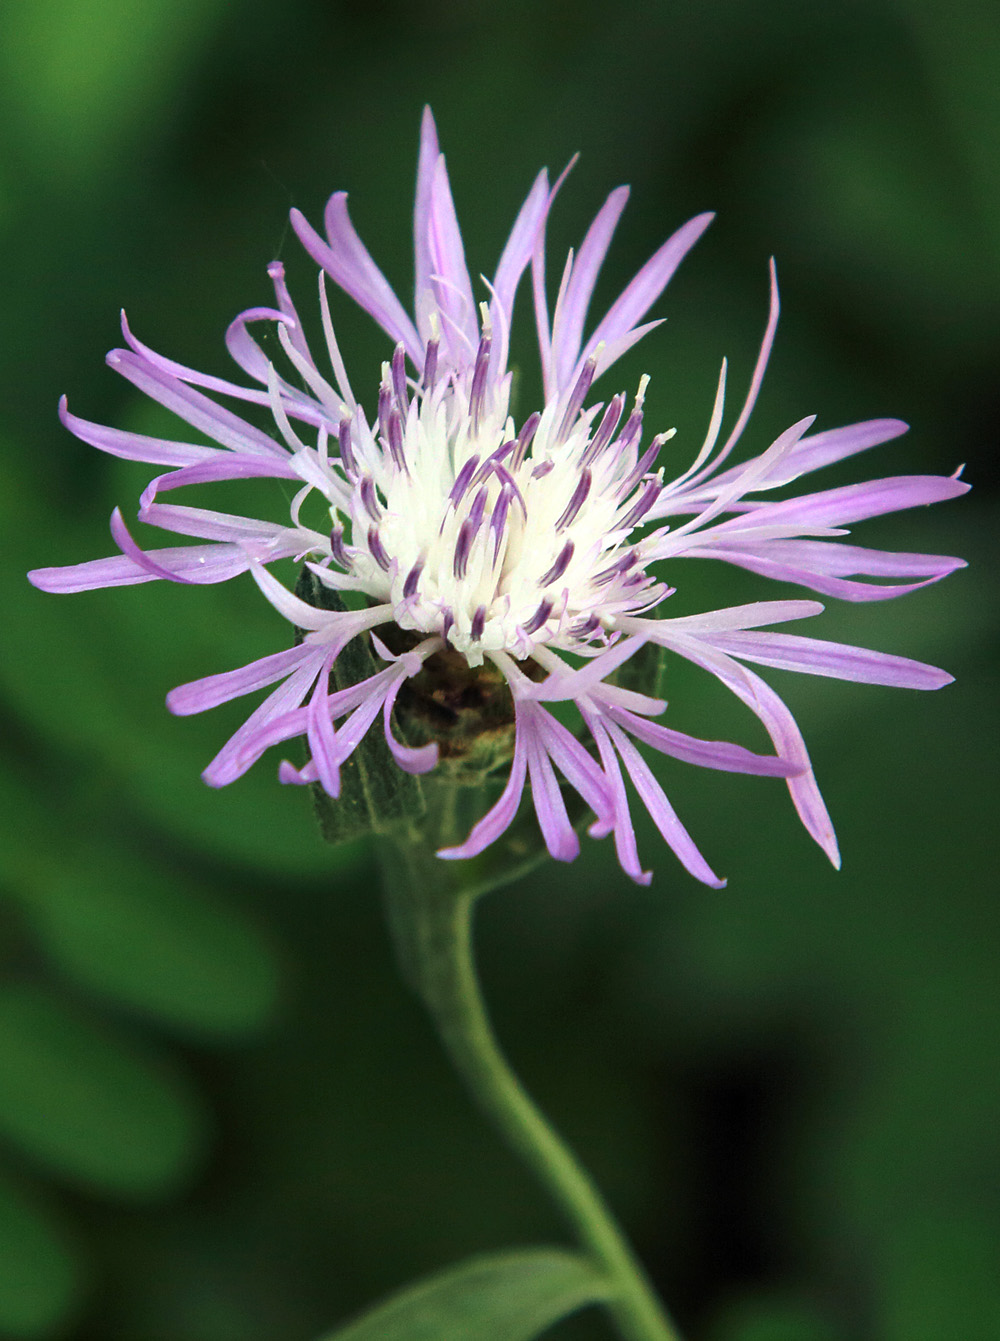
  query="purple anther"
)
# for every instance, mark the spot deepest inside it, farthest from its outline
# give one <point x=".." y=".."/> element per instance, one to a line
<point x="542" y="469"/>
<point x="447" y="622"/>
<point x="463" y="544"/>
<point x="462" y="480"/>
<point x="577" y="397"/>
<point x="628" y="435"/>
<point x="605" y="430"/>
<point x="399" y="379"/>
<point x="384" y="406"/>
<point x="478" y="623"/>
<point x="430" y="364"/>
<point x="395" y="437"/>
<point x="369" y="500"/>
<point x="586" y="626"/>
<point x="338" y="549"/>
<point x="640" y="468"/>
<point x="494" y="460"/>
<point x="576" y="502"/>
<point x="412" y="578"/>
<point x="478" y="509"/>
<point x="528" y="430"/>
<point x="616" y="570"/>
<point x="538" y="618"/>
<point x="479" y="380"/>
<point x="647" y="498"/>
<point x="560" y="565"/>
<point x="377" y="548"/>
<point x="346" y="448"/>
<point x="498" y="520"/>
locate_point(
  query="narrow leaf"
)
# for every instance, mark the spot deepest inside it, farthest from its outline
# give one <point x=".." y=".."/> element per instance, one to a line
<point x="511" y="1296"/>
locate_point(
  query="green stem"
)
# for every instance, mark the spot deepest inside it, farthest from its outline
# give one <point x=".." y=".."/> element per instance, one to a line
<point x="431" y="917"/>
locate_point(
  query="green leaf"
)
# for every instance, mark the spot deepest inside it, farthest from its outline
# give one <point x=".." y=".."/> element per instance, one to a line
<point x="171" y="950"/>
<point x="374" y="791"/>
<point x="510" y="1296"/>
<point x="40" y="1275"/>
<point x="88" y="1104"/>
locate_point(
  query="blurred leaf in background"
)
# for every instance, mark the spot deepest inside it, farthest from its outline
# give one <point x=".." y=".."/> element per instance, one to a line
<point x="221" y="1116"/>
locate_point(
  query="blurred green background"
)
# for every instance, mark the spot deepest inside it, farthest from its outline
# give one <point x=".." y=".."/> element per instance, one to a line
<point x="222" y="1118"/>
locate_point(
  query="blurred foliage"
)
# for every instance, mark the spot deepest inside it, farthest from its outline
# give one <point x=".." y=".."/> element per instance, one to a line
<point x="221" y="1116"/>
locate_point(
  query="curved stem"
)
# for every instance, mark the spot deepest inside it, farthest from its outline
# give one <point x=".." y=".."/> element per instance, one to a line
<point x="432" y="919"/>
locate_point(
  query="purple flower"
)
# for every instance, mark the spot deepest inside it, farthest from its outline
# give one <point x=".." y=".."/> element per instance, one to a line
<point x="470" y="537"/>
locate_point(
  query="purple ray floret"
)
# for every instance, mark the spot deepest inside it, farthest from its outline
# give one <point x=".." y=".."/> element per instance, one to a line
<point x="525" y="547"/>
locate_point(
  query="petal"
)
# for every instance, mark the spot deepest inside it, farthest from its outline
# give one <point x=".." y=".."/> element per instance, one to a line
<point x="200" y="695"/>
<point x="644" y="289"/>
<point x="231" y="762"/>
<point x="560" y="837"/>
<point x="732" y="617"/>
<point x="625" y="844"/>
<point x="813" y="656"/>
<point x="571" y="313"/>
<point x="192" y="563"/>
<point x="780" y="725"/>
<point x="662" y="812"/>
<point x="346" y="260"/>
<point x="136" y="446"/>
<point x="818" y="564"/>
<point x="718" y="754"/>
<point x="851" y="503"/>
<point x="500" y="816"/>
<point x="215" y="422"/>
<point x="513" y="262"/>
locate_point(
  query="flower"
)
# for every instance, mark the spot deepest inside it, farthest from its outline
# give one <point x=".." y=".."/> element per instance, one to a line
<point x="523" y="548"/>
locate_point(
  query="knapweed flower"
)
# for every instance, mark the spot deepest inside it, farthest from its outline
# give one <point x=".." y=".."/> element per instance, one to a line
<point x="534" y="552"/>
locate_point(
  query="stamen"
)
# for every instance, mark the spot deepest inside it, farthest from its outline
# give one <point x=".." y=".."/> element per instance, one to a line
<point x="478" y="624"/>
<point x="377" y="548"/>
<point x="346" y="449"/>
<point x="479" y="379"/>
<point x="412" y="578"/>
<point x="431" y="363"/>
<point x="577" y="501"/>
<point x="498" y="521"/>
<point x="538" y="618"/>
<point x="384" y="404"/>
<point x="462" y="480"/>
<point x="605" y="431"/>
<point x="369" y="500"/>
<point x="560" y="565"/>
<point x="543" y="469"/>
<point x="478" y="509"/>
<point x="463" y="543"/>
<point x="649" y="496"/>
<point x="338" y="549"/>
<point x="528" y="431"/>
<point x="616" y="570"/>
<point x="399" y="379"/>
<point x="447" y="622"/>
<point x="642" y="465"/>
<point x="578" y="395"/>
<point x="396" y="440"/>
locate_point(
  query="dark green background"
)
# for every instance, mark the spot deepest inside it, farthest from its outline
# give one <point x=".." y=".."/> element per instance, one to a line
<point x="221" y="1116"/>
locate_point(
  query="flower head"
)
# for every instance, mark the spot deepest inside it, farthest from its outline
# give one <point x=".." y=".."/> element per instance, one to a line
<point x="534" y="553"/>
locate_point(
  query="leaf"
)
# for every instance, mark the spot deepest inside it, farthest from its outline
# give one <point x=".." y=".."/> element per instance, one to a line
<point x="40" y="1275"/>
<point x="88" y="1104"/>
<point x="375" y="793"/>
<point x="511" y="1296"/>
<point x="137" y="936"/>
